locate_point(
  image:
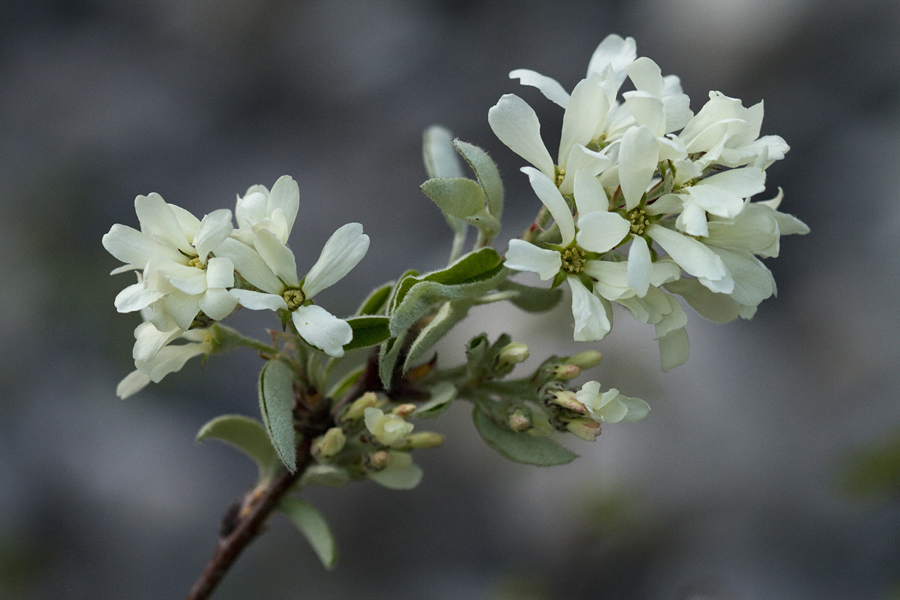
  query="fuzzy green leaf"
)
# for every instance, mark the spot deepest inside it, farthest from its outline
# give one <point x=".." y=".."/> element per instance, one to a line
<point x="442" y="394"/>
<point x="487" y="173"/>
<point x="531" y="299"/>
<point x="376" y="300"/>
<point x="247" y="435"/>
<point x="457" y="196"/>
<point x="521" y="447"/>
<point x="388" y="354"/>
<point x="276" y="404"/>
<point x="368" y="331"/>
<point x="314" y="528"/>
<point x="470" y="276"/>
<point x="446" y="318"/>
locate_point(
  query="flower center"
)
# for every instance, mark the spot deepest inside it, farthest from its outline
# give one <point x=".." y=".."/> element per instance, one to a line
<point x="294" y="298"/>
<point x="560" y="175"/>
<point x="638" y="221"/>
<point x="196" y="263"/>
<point x="572" y="260"/>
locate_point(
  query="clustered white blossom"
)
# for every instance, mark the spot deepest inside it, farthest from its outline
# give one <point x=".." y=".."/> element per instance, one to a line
<point x="193" y="272"/>
<point x="648" y="199"/>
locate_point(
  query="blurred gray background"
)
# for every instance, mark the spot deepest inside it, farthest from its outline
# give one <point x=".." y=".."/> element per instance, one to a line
<point x="731" y="488"/>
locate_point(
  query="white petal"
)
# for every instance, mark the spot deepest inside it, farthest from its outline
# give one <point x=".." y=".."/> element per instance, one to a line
<point x="673" y="349"/>
<point x="716" y="201"/>
<point x="285" y="196"/>
<point x="517" y="125"/>
<point x="615" y="52"/>
<point x="548" y="86"/>
<point x="591" y="321"/>
<point x="214" y="228"/>
<point x="259" y="301"/>
<point x="135" y="297"/>
<point x="611" y="279"/>
<point x="744" y="182"/>
<point x="250" y="265"/>
<point x="692" y="219"/>
<point x="157" y="218"/>
<point x="343" y="251"/>
<point x="135" y="248"/>
<point x="183" y="308"/>
<point x="638" y="157"/>
<point x="694" y="257"/>
<point x="524" y="256"/>
<point x="220" y="273"/>
<point x="549" y="194"/>
<point x="639" y="266"/>
<point x="169" y="360"/>
<point x="149" y="339"/>
<point x="217" y="303"/>
<point x="582" y="160"/>
<point x="587" y="109"/>
<point x="322" y="329"/>
<point x="647" y="110"/>
<point x="191" y="285"/>
<point x="589" y="193"/>
<point x="601" y="231"/>
<point x="278" y="256"/>
<point x="646" y="76"/>
<point x="753" y="282"/>
<point x="132" y="384"/>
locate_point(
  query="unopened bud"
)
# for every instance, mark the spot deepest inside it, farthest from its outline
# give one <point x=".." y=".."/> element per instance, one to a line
<point x="518" y="420"/>
<point x="586" y="429"/>
<point x="404" y="410"/>
<point x="377" y="461"/>
<point x="512" y="354"/>
<point x="566" y="399"/>
<point x="586" y="359"/>
<point x="565" y="372"/>
<point x="328" y="445"/>
<point x="359" y="406"/>
<point x="424" y="439"/>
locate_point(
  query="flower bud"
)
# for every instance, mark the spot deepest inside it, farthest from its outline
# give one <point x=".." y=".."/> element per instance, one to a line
<point x="565" y="372"/>
<point x="356" y="410"/>
<point x="518" y="420"/>
<point x="377" y="461"/>
<point x="390" y="430"/>
<point x="586" y="359"/>
<point x="328" y="445"/>
<point x="404" y="410"/>
<point x="586" y="429"/>
<point x="425" y="439"/>
<point x="512" y="354"/>
<point x="566" y="399"/>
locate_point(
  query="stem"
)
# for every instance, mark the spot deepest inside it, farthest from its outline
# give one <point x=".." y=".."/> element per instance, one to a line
<point x="254" y="512"/>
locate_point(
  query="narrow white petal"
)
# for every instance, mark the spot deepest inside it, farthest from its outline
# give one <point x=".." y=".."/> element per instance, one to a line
<point x="135" y="297"/>
<point x="278" y="256"/>
<point x="214" y="228"/>
<point x="694" y="257"/>
<point x="191" y="285"/>
<point x="744" y="182"/>
<point x="601" y="231"/>
<point x="673" y="349"/>
<point x="549" y="194"/>
<point x="183" y="308"/>
<point x="753" y="282"/>
<point x="591" y="321"/>
<point x="285" y="195"/>
<point x="692" y="219"/>
<point x="343" y="251"/>
<point x="523" y="256"/>
<point x="258" y="300"/>
<point x="322" y="329"/>
<point x="517" y="125"/>
<point x="646" y="76"/>
<point x="169" y="360"/>
<point x="132" y="384"/>
<point x="615" y="52"/>
<point x="217" y="303"/>
<point x="548" y="86"/>
<point x="589" y="193"/>
<point x="135" y="248"/>
<point x="220" y="273"/>
<point x="581" y="159"/>
<point x="639" y="266"/>
<point x="716" y="201"/>
<point x="158" y="219"/>
<point x="250" y="265"/>
<point x="587" y="109"/>
<point x="638" y="157"/>
<point x="149" y="339"/>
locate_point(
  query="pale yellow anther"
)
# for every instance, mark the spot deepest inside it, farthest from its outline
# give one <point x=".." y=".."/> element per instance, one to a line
<point x="573" y="260"/>
<point x="294" y="298"/>
<point x="638" y="220"/>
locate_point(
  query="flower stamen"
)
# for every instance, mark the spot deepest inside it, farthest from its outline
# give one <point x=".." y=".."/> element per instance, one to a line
<point x="294" y="297"/>
<point x="638" y="220"/>
<point x="196" y="263"/>
<point x="573" y="260"/>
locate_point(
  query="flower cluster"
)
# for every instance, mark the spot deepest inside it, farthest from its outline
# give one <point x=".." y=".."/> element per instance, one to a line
<point x="192" y="273"/>
<point x="646" y="198"/>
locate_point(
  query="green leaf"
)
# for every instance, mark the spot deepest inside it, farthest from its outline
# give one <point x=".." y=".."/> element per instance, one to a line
<point x="442" y="394"/>
<point x="314" y="528"/>
<point x="457" y="196"/>
<point x="531" y="299"/>
<point x="342" y="386"/>
<point x="487" y="225"/>
<point x="388" y="354"/>
<point x="401" y="474"/>
<point x="487" y="173"/>
<point x="324" y="475"/>
<point x="521" y="447"/>
<point x="470" y="276"/>
<point x="368" y="331"/>
<point x="446" y="318"/>
<point x="376" y="300"/>
<point x="247" y="435"/>
<point x="437" y="150"/>
<point x="276" y="404"/>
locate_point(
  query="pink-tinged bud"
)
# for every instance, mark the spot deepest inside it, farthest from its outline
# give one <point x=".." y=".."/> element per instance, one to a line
<point x="424" y="439"/>
<point x="565" y="372"/>
<point x="404" y="410"/>
<point x="586" y="359"/>
<point x="566" y="399"/>
<point x="586" y="429"/>
<point x="518" y="420"/>
<point x="512" y="354"/>
<point x="377" y="461"/>
<point x="328" y="445"/>
<point x="359" y="406"/>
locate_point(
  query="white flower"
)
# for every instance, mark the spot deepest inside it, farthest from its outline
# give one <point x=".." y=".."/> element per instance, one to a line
<point x="610" y="406"/>
<point x="275" y="211"/>
<point x="270" y="266"/>
<point x="389" y="429"/>
<point x="168" y="359"/>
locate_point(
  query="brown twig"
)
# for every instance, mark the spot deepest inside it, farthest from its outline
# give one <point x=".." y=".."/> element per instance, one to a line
<point x="248" y="524"/>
